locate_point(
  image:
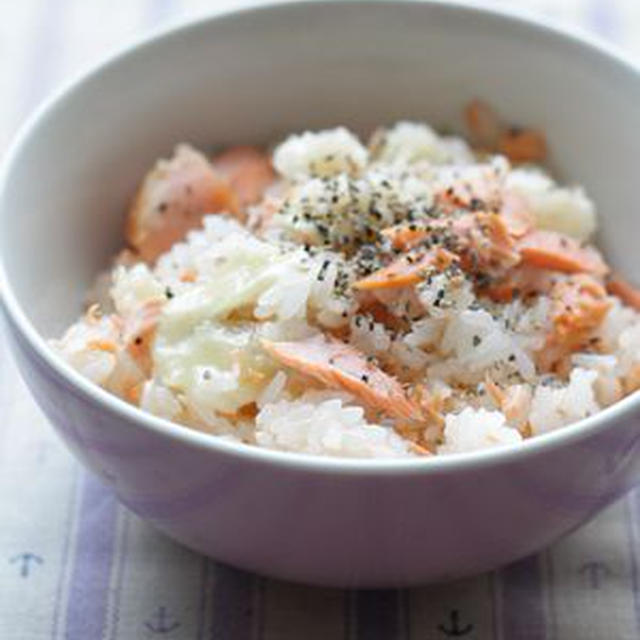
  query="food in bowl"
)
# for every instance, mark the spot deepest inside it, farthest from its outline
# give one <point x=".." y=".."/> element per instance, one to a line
<point x="413" y="296"/>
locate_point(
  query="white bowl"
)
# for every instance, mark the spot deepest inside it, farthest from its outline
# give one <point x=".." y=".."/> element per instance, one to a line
<point x="252" y="76"/>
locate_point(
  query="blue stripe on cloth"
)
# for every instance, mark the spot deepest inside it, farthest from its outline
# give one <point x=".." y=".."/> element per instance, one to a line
<point x="95" y="543"/>
<point x="376" y="615"/>
<point x="159" y="11"/>
<point x="603" y="18"/>
<point x="45" y="53"/>
<point x="233" y="604"/>
<point x="66" y="548"/>
<point x="633" y="534"/>
<point x="522" y="606"/>
<point x="121" y="560"/>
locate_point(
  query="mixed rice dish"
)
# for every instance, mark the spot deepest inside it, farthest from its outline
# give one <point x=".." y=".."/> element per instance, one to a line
<point x="412" y="296"/>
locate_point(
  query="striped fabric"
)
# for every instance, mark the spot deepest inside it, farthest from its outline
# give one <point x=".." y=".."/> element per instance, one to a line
<point x="75" y="565"/>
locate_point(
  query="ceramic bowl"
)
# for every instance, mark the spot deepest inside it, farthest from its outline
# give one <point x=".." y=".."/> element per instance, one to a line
<point x="252" y="76"/>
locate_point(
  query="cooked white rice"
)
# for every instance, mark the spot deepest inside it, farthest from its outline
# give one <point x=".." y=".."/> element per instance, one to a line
<point x="223" y="290"/>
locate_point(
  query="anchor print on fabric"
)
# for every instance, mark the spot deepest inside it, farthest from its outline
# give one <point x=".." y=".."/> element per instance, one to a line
<point x="594" y="573"/>
<point x="25" y="561"/>
<point x="453" y="628"/>
<point x="161" y="622"/>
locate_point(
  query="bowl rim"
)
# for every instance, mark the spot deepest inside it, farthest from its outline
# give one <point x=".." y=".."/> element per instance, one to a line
<point x="118" y="408"/>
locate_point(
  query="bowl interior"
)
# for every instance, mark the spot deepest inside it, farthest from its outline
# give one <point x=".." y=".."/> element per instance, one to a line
<point x="256" y="75"/>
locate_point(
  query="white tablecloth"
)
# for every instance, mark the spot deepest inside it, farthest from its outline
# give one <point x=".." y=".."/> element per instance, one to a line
<point x="76" y="565"/>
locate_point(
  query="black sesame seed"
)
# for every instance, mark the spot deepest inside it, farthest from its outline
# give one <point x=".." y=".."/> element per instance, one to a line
<point x="475" y="204"/>
<point x="323" y="270"/>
